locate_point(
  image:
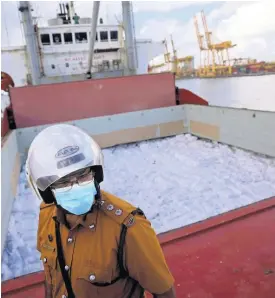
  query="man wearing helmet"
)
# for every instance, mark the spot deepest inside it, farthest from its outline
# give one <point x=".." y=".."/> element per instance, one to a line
<point x="92" y="244"/>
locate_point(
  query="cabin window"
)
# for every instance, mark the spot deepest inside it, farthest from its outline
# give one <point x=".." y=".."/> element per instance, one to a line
<point x="57" y="38"/>
<point x="116" y="63"/>
<point x="114" y="35"/>
<point x="104" y="35"/>
<point x="106" y="64"/>
<point x="67" y="64"/>
<point x="45" y="39"/>
<point x="53" y="66"/>
<point x="81" y="37"/>
<point x="100" y="67"/>
<point x="68" y="38"/>
<point x="101" y="21"/>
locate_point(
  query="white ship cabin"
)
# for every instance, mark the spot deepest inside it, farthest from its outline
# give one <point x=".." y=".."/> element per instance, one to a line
<point x="64" y="47"/>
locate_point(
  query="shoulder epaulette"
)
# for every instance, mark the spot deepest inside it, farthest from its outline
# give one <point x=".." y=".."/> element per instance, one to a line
<point x="119" y="210"/>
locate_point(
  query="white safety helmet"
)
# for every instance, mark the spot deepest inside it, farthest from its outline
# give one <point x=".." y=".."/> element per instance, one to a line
<point x="57" y="151"/>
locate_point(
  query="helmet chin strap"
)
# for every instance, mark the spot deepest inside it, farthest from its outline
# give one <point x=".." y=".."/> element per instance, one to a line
<point x="98" y="193"/>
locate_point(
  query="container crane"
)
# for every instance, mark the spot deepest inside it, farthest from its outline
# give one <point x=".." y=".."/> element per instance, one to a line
<point x="208" y="41"/>
<point x="166" y="54"/>
<point x="175" y="58"/>
<point x="218" y="50"/>
<point x="183" y="66"/>
<point x="173" y="47"/>
<point x="203" y="49"/>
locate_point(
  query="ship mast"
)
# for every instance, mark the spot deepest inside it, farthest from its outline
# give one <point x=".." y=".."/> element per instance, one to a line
<point x="128" y="24"/>
<point x="92" y="38"/>
<point x="32" y="49"/>
<point x="71" y="11"/>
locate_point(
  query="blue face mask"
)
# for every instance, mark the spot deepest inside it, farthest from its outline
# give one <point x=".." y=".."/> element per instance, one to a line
<point x="78" y="200"/>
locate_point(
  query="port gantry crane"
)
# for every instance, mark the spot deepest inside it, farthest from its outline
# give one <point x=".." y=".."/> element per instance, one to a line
<point x="218" y="50"/>
<point x="181" y="66"/>
<point x="174" y="57"/>
<point x="204" y="52"/>
<point x="220" y="63"/>
<point x="166" y="54"/>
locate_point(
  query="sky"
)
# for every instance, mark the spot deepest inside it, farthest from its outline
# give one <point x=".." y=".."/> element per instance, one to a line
<point x="249" y="25"/>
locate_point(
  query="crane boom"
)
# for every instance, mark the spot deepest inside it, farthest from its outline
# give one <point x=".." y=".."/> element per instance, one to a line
<point x="167" y="54"/>
<point x="207" y="33"/>
<point x="166" y="47"/>
<point x="173" y="46"/>
<point x="199" y="36"/>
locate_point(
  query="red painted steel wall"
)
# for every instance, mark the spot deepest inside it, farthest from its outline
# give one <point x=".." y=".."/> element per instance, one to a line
<point x="229" y="256"/>
<point x="45" y="104"/>
<point x="28" y="286"/>
<point x="188" y="97"/>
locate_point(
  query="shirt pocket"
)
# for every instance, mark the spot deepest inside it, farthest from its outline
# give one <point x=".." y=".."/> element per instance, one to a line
<point x="49" y="259"/>
<point x="96" y="276"/>
<point x="96" y="282"/>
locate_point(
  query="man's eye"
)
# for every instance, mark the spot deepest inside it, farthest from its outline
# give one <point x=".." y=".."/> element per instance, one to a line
<point x="64" y="184"/>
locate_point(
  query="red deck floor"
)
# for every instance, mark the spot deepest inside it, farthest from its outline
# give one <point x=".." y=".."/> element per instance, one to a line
<point x="234" y="260"/>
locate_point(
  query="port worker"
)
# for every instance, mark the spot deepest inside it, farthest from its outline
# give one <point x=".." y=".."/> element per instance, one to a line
<point x="76" y="19"/>
<point x="92" y="243"/>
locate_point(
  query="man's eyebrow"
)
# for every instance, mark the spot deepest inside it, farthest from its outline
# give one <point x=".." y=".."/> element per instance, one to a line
<point x="76" y="175"/>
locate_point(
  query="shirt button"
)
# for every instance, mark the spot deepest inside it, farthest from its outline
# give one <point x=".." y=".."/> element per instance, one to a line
<point x="45" y="260"/>
<point x="92" y="277"/>
<point x="70" y="240"/>
<point x="110" y="207"/>
<point x="92" y="226"/>
<point x="118" y="212"/>
<point x="67" y="268"/>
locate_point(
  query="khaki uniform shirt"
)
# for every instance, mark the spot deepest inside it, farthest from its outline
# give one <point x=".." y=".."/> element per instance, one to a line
<point x="90" y="250"/>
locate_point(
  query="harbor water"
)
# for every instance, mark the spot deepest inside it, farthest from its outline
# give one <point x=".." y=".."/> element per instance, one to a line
<point x="255" y="92"/>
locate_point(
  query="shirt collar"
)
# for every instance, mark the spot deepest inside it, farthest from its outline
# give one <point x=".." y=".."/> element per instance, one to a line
<point x="88" y="221"/>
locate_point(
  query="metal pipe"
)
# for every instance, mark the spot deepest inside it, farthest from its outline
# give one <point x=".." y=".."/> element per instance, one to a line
<point x="129" y="37"/>
<point x="30" y="36"/>
<point x="71" y="12"/>
<point x="92" y="38"/>
<point x="64" y="10"/>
